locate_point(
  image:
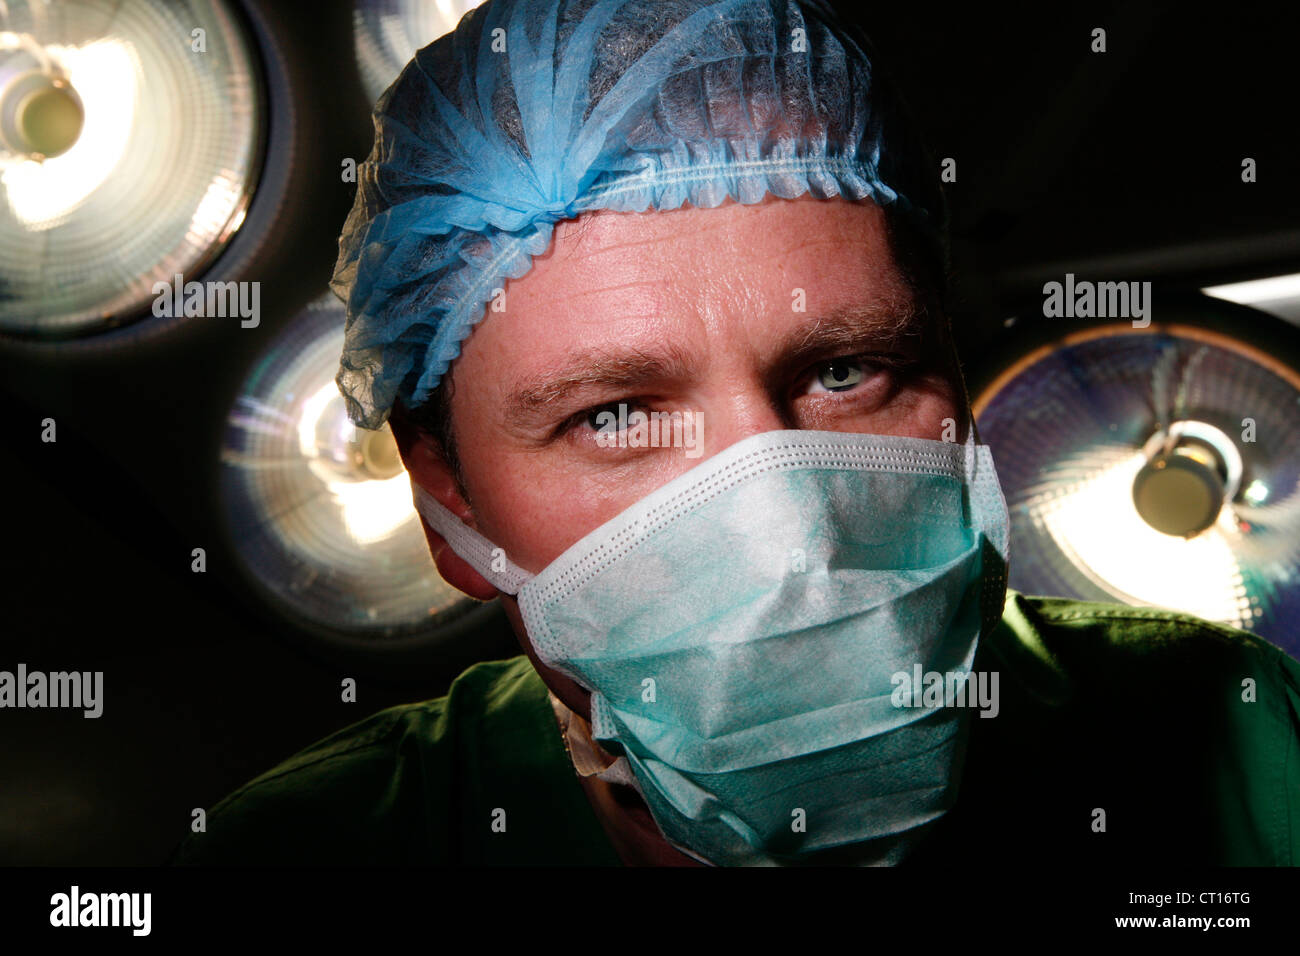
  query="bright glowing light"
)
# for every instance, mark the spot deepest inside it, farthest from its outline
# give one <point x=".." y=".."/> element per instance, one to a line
<point x="371" y="509"/>
<point x="214" y="210"/>
<point x="1256" y="492"/>
<point x="1258" y="290"/>
<point x="1097" y="526"/>
<point x="105" y="75"/>
<point x="314" y="408"/>
<point x="374" y="509"/>
<point x="389" y="34"/>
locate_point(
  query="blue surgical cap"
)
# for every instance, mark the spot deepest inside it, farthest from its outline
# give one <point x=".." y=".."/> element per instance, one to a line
<point x="534" y="111"/>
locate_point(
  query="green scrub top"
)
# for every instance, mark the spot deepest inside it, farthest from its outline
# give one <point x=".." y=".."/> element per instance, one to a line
<point x="1183" y="733"/>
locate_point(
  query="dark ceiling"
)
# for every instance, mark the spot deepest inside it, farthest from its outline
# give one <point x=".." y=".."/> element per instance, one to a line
<point x="1126" y="162"/>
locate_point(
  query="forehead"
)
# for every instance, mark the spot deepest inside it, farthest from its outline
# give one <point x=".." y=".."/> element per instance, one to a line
<point x="686" y="279"/>
<point x="691" y="252"/>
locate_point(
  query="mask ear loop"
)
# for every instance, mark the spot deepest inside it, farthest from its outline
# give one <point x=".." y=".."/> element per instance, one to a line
<point x="491" y="562"/>
<point x="993" y="597"/>
<point x="970" y="449"/>
<point x="477" y="551"/>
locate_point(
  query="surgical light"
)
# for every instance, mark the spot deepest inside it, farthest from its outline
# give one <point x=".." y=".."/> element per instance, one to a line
<point x="130" y="144"/>
<point x="388" y="32"/>
<point x="1154" y="467"/>
<point x="318" y="510"/>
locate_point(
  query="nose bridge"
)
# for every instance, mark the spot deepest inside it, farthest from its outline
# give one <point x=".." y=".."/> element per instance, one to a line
<point x="744" y="412"/>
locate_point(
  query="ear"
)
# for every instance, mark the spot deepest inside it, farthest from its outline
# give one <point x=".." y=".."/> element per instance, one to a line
<point x="424" y="461"/>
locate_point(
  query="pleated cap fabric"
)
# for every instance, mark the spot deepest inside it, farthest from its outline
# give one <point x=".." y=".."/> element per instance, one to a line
<point x="535" y="111"/>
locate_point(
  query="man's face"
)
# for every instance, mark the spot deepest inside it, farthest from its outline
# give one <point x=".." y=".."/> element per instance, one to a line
<point x="781" y="315"/>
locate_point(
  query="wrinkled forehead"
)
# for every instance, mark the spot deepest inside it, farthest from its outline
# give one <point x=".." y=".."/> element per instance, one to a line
<point x="668" y="294"/>
<point x="780" y="257"/>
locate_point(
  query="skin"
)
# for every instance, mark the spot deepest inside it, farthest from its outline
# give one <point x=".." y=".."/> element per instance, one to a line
<point x="689" y="310"/>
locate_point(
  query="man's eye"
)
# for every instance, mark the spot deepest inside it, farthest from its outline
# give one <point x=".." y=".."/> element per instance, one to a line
<point x="601" y="418"/>
<point x="839" y="375"/>
<point x="847" y="374"/>
<point x="606" y="418"/>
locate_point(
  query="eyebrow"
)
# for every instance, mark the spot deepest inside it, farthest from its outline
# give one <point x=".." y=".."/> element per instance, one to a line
<point x="856" y="329"/>
<point x="592" y="369"/>
<point x="846" y="331"/>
